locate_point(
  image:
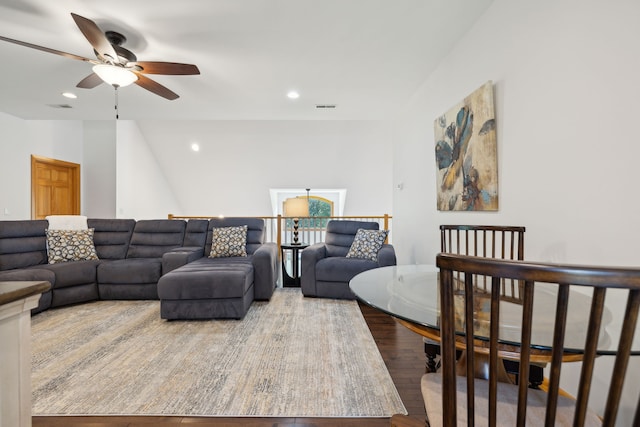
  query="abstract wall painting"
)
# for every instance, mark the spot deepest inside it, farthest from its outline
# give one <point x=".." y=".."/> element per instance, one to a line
<point x="466" y="154"/>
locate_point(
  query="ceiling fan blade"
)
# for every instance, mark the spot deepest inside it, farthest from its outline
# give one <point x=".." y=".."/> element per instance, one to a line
<point x="46" y="49"/>
<point x="89" y="82"/>
<point x="168" y="68"/>
<point x="155" y="87"/>
<point x="96" y="37"/>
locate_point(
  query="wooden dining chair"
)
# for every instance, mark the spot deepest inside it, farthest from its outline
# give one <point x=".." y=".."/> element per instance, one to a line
<point x="464" y="400"/>
<point x="490" y="241"/>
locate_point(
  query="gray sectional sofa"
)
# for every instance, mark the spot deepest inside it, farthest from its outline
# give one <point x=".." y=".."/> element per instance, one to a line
<point x="134" y="256"/>
<point x="224" y="286"/>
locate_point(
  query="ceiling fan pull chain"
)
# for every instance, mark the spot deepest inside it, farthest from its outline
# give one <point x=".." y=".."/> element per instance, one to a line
<point x="117" y="114"/>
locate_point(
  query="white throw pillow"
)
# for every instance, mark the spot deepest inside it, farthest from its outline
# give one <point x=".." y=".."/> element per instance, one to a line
<point x="67" y="222"/>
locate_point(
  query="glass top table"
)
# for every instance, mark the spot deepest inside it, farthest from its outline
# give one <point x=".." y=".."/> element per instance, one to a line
<point x="410" y="293"/>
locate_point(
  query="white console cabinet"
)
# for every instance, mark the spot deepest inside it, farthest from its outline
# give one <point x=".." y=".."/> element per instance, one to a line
<point x="16" y="301"/>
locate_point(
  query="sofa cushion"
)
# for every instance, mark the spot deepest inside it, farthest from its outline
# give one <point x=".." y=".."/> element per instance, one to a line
<point x="341" y="269"/>
<point x="255" y="231"/>
<point x="30" y="274"/>
<point x="71" y="273"/>
<point x="151" y="238"/>
<point x="70" y="245"/>
<point x="141" y="270"/>
<point x="207" y="278"/>
<point x="111" y="236"/>
<point x="340" y="235"/>
<point x="367" y="243"/>
<point x="228" y="242"/>
<point x="195" y="233"/>
<point x="22" y="243"/>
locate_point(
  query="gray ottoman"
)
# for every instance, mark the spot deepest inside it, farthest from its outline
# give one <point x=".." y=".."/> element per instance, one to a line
<point x="207" y="289"/>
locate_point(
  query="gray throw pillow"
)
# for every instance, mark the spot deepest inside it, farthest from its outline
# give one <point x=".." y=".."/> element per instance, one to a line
<point x="70" y="245"/>
<point x="367" y="243"/>
<point x="228" y="242"/>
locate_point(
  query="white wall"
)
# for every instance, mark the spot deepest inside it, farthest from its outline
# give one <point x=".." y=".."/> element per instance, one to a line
<point x="239" y="161"/>
<point x="143" y="191"/>
<point x="138" y="174"/>
<point x="566" y="91"/>
<point x="99" y="172"/>
<point x="19" y="139"/>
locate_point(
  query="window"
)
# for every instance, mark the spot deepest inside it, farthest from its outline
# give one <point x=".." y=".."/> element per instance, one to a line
<point x="318" y="207"/>
<point x="323" y="202"/>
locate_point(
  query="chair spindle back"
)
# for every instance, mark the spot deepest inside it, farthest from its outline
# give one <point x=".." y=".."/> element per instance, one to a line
<point x="599" y="279"/>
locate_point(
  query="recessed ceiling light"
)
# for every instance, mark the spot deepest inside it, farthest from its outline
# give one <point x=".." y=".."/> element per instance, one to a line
<point x="293" y="94"/>
<point x="195" y="147"/>
<point x="69" y="95"/>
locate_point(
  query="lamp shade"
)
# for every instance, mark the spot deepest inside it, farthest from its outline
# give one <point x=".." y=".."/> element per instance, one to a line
<point x="296" y="207"/>
<point x="114" y="75"/>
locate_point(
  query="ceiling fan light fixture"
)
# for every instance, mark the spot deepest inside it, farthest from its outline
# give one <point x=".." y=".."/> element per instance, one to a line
<point x="114" y="75"/>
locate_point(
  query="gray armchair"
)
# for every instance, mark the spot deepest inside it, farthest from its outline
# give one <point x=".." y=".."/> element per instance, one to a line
<point x="325" y="269"/>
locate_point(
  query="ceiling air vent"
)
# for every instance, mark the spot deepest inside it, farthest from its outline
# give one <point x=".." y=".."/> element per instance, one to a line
<point x="325" y="106"/>
<point x="59" y="105"/>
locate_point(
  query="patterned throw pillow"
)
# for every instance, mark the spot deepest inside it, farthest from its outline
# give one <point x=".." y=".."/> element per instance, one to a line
<point x="367" y="243"/>
<point x="70" y="245"/>
<point x="228" y="242"/>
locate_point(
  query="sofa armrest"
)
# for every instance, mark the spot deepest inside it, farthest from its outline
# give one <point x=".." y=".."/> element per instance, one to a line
<point x="265" y="270"/>
<point x="178" y="257"/>
<point x="386" y="256"/>
<point x="310" y="256"/>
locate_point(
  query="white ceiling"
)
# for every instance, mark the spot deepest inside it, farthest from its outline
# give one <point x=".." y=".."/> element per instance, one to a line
<point x="365" y="56"/>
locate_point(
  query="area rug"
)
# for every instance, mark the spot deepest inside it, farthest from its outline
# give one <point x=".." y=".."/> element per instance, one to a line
<point x="289" y="357"/>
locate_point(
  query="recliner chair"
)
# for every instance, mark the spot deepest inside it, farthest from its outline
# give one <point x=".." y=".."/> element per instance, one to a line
<point x="325" y="269"/>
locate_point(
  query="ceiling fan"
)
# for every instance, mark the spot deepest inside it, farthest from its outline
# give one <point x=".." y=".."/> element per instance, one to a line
<point x="114" y="64"/>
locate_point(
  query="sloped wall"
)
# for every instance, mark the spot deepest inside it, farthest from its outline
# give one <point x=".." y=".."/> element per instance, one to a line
<point x="143" y="191"/>
<point x="240" y="161"/>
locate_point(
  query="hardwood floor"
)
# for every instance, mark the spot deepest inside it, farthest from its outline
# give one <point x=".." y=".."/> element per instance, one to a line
<point x="401" y="349"/>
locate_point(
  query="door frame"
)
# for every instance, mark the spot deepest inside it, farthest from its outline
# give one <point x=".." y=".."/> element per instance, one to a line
<point x="74" y="170"/>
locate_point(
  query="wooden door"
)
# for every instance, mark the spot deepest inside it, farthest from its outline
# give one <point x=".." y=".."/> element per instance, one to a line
<point x="55" y="187"/>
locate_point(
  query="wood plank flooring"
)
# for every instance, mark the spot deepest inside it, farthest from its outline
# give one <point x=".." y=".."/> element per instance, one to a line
<point x="401" y="349"/>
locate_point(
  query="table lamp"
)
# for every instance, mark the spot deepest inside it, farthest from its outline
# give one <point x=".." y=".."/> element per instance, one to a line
<point x="296" y="207"/>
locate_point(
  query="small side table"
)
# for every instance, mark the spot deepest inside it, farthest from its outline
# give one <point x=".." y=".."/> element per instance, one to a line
<point x="293" y="280"/>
